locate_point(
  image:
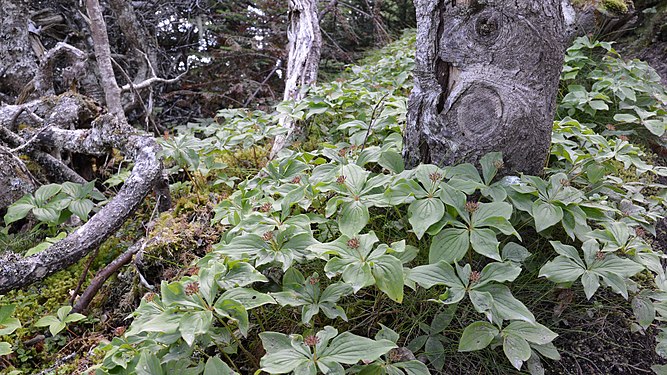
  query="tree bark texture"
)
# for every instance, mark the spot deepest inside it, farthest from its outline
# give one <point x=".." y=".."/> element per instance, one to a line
<point x="486" y="79"/>
<point x="15" y="49"/>
<point x="304" y="45"/>
<point x="15" y="180"/>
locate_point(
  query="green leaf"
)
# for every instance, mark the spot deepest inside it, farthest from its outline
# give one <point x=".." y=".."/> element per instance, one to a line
<point x="215" y="366"/>
<point x="561" y="270"/>
<point x="643" y="309"/>
<point x="489" y="164"/>
<point x="148" y="364"/>
<point x="505" y="305"/>
<point x="417" y="343"/>
<point x="499" y="272"/>
<point x="442" y="319"/>
<point x="392" y="160"/>
<point x="533" y="332"/>
<point x="456" y="199"/>
<point x="353" y="218"/>
<point x="548" y="350"/>
<point x="349" y="349"/>
<point x="514" y="252"/>
<point x="47" y="215"/>
<point x="8" y="324"/>
<point x="388" y="274"/>
<point x="568" y="251"/>
<point x="430" y="275"/>
<point x="74" y="318"/>
<point x="63" y="312"/>
<point x="484" y="242"/>
<point x="81" y="208"/>
<point x="47" y="321"/>
<point x="19" y="209"/>
<point x="486" y="211"/>
<point x="387" y="333"/>
<point x="56" y="328"/>
<point x="193" y="324"/>
<point x="412" y="367"/>
<point x="546" y="215"/>
<point x="423" y="213"/>
<point x="450" y="245"/>
<point x="624" y="117"/>
<point x="435" y="352"/>
<point x="477" y="336"/>
<point x="599" y="105"/>
<point x="249" y="298"/>
<point x="591" y="283"/>
<point x="516" y="349"/>
<point x="658" y="369"/>
<point x="5" y="348"/>
<point x="656" y="127"/>
<point x="233" y="310"/>
<point x="45" y="192"/>
<point x="281" y="357"/>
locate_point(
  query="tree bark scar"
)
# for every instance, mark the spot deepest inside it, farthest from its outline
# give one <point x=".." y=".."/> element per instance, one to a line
<point x="480" y="108"/>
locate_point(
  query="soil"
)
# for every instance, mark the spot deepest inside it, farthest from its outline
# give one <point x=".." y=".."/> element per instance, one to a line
<point x="596" y="342"/>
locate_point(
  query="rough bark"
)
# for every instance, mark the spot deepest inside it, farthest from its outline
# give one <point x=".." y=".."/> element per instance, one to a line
<point x="305" y="44"/>
<point x="15" y="48"/>
<point x="486" y="79"/>
<point x="15" y="181"/>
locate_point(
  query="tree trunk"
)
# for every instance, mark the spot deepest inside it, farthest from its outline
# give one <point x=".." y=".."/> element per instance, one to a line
<point x="305" y="44"/>
<point x="486" y="80"/>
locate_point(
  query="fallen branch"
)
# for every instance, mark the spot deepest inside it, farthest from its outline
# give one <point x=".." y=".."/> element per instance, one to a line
<point x="17" y="271"/>
<point x="151" y="81"/>
<point x="102" y="276"/>
<point x="55" y="169"/>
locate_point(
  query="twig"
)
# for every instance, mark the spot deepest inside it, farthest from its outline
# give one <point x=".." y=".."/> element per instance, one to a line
<point x="98" y="281"/>
<point x="19" y="163"/>
<point x="151" y="81"/>
<point x="82" y="279"/>
<point x="15" y="117"/>
<point x="30" y="141"/>
<point x="370" y="124"/>
<point x="251" y="97"/>
<point x="59" y="362"/>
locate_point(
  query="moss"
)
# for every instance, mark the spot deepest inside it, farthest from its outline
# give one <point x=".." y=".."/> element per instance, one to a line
<point x="615" y="6"/>
<point x="178" y="238"/>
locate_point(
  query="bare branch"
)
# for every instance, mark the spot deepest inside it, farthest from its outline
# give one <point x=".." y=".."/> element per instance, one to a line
<point x="151" y="81"/>
<point x="103" y="55"/>
<point x="103" y="275"/>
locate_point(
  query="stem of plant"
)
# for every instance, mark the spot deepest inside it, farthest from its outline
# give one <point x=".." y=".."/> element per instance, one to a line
<point x="245" y="351"/>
